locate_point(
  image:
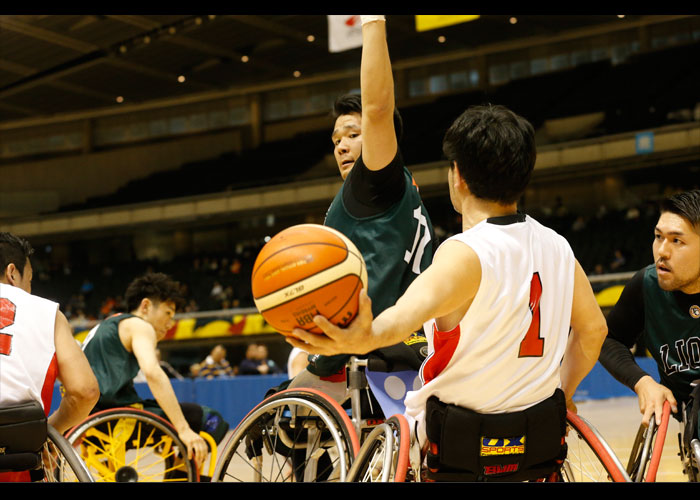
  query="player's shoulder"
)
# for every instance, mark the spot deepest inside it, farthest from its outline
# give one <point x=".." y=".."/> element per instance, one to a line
<point x="133" y="325"/>
<point x="17" y="294"/>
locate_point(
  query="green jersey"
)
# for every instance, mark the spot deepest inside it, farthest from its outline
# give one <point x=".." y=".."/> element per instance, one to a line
<point x="397" y="245"/>
<point x="396" y="240"/>
<point x="672" y="335"/>
<point x="666" y="322"/>
<point x="114" y="366"/>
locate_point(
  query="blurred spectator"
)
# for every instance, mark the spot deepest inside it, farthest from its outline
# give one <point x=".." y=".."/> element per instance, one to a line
<point x="214" y="365"/>
<point x="579" y="224"/>
<point x="256" y="362"/>
<point x="598" y="270"/>
<point x="618" y="261"/>
<point x="217" y="291"/>
<point x="87" y="287"/>
<point x="108" y="306"/>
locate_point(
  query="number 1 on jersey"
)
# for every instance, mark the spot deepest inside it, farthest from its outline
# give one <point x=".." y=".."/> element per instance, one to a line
<point x="532" y="345"/>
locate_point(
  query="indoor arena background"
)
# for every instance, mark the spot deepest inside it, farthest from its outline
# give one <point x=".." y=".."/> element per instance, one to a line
<point x="180" y="143"/>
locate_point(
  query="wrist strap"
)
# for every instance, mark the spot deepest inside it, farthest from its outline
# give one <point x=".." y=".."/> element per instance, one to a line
<point x="370" y="19"/>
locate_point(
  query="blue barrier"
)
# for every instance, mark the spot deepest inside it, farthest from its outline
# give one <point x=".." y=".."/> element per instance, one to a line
<point x="234" y="397"/>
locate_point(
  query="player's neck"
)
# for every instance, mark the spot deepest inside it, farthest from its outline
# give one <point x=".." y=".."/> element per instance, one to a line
<point x="475" y="210"/>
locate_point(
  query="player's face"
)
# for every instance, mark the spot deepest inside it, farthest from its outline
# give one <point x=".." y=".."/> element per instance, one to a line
<point x="677" y="254"/>
<point x="347" y="142"/>
<point x="160" y="315"/>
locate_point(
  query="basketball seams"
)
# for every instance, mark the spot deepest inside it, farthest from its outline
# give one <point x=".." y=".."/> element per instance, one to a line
<point x="287" y="248"/>
<point x="311" y="269"/>
<point x="330" y="317"/>
<point x="360" y="283"/>
<point x="317" y="277"/>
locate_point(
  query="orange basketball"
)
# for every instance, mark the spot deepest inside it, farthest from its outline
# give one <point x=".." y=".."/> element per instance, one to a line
<point x="307" y="270"/>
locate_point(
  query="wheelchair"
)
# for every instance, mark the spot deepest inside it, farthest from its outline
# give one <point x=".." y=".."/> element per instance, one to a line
<point x="648" y="446"/>
<point x="302" y="435"/>
<point x="133" y="445"/>
<point x="589" y="457"/>
<point x="29" y="443"/>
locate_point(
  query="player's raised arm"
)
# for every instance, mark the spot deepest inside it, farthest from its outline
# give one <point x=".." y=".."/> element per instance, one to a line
<point x="379" y="143"/>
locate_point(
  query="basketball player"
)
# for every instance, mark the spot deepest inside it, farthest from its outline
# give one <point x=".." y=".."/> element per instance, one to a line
<point x="498" y="303"/>
<point x="661" y="305"/>
<point x="378" y="207"/>
<point x="37" y="346"/>
<point x="124" y="343"/>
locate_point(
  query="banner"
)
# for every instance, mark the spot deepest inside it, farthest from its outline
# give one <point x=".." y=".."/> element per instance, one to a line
<point x="425" y="23"/>
<point x="344" y="33"/>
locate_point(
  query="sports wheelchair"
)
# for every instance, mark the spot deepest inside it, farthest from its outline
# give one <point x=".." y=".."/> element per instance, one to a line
<point x="29" y="443"/>
<point x="303" y="435"/>
<point x="648" y="445"/>
<point x="133" y="445"/>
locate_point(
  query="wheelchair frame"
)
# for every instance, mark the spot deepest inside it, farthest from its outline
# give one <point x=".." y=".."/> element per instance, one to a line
<point x="648" y="446"/>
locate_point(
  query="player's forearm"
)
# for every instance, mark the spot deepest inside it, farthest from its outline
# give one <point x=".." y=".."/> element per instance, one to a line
<point x="163" y="393"/>
<point x="580" y="357"/>
<point x="376" y="79"/>
<point x="394" y="325"/>
<point x="619" y="361"/>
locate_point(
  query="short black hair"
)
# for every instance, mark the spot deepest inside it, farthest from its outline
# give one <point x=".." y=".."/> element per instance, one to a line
<point x="157" y="287"/>
<point x="686" y="204"/>
<point x="352" y="103"/>
<point x="494" y="150"/>
<point x="14" y="250"/>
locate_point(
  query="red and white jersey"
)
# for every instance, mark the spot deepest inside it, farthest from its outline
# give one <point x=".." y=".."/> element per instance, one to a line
<point x="28" y="365"/>
<point x="504" y="355"/>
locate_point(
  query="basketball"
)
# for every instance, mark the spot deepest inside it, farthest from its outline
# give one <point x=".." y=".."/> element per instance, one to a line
<point x="307" y="270"/>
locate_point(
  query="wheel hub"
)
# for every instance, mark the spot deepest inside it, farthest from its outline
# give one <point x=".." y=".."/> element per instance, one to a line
<point x="126" y="474"/>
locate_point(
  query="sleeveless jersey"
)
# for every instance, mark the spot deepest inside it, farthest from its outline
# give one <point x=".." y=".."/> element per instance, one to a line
<point x="672" y="336"/>
<point x="396" y="245"/>
<point x="114" y="366"/>
<point x="28" y="366"/>
<point x="504" y="355"/>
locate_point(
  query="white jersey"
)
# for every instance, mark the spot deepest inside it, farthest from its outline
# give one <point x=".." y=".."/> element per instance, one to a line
<point x="505" y="354"/>
<point x="28" y="365"/>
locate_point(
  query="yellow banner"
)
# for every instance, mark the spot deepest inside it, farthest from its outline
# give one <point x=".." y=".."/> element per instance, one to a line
<point x="425" y="23"/>
<point x="609" y="296"/>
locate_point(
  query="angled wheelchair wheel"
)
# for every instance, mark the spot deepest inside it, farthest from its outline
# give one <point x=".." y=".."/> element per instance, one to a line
<point x="129" y="445"/>
<point x="383" y="456"/>
<point x="589" y="457"/>
<point x="647" y="449"/>
<point x="691" y="460"/>
<point x="60" y="461"/>
<point x="689" y="445"/>
<point x="297" y="435"/>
